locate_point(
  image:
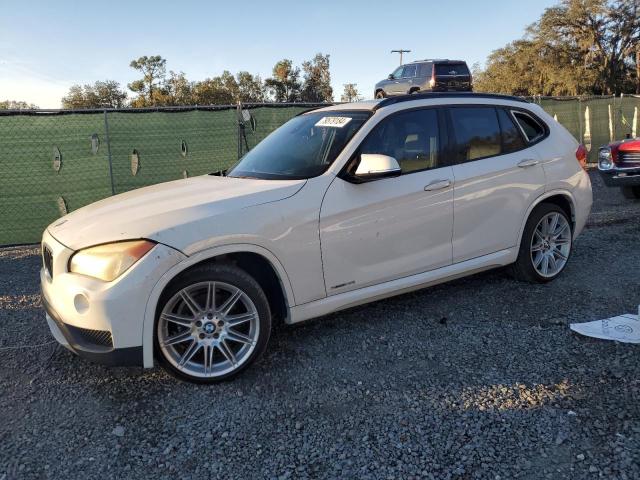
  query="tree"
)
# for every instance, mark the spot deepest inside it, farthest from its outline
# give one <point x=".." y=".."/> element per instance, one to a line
<point x="284" y="85"/>
<point x="317" y="80"/>
<point x="250" y="87"/>
<point x="576" y="47"/>
<point x="216" y="90"/>
<point x="177" y="90"/>
<point x="105" y="94"/>
<point x="227" y="89"/>
<point x="230" y="85"/>
<point x="153" y="71"/>
<point x="350" y="93"/>
<point x="16" y="105"/>
<point x="604" y="35"/>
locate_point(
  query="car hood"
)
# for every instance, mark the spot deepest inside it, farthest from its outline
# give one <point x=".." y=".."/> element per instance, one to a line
<point x="627" y="145"/>
<point x="150" y="212"/>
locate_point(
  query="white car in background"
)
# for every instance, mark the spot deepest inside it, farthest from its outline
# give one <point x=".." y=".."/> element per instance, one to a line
<point x="338" y="207"/>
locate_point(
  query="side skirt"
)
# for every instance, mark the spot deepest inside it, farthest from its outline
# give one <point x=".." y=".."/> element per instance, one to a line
<point x="360" y="296"/>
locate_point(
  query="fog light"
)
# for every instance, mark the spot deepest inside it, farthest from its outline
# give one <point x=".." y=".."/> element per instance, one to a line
<point x="81" y="303"/>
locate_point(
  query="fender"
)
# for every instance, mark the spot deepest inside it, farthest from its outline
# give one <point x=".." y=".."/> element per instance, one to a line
<point x="154" y="297"/>
<point x="537" y="201"/>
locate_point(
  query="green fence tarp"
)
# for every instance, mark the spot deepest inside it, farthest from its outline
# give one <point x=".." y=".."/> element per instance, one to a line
<point x="50" y="164"/>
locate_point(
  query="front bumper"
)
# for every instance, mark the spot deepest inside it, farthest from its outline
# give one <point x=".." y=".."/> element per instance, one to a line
<point x="79" y="342"/>
<point x="101" y="321"/>
<point x="621" y="178"/>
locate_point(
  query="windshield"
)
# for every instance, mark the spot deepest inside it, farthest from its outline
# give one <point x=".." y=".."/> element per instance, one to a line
<point x="304" y="147"/>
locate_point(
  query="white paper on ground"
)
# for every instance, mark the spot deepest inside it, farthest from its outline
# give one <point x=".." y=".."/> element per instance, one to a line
<point x="624" y="328"/>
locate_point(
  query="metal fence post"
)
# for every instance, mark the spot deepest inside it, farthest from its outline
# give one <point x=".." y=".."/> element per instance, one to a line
<point x="580" y="122"/>
<point x="611" y="131"/>
<point x="106" y="134"/>
<point x="240" y="126"/>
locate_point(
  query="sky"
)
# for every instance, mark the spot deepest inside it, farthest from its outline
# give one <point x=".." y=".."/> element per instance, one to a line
<point x="47" y="46"/>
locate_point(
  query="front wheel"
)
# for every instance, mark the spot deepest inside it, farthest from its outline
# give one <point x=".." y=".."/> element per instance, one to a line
<point x="545" y="246"/>
<point x="380" y="95"/>
<point x="212" y="323"/>
<point x="631" y="192"/>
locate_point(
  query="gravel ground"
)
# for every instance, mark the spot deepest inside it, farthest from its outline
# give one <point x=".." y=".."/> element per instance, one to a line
<point x="478" y="378"/>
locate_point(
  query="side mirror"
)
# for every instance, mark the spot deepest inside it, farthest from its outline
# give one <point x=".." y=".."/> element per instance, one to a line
<point x="391" y="77"/>
<point x="373" y="166"/>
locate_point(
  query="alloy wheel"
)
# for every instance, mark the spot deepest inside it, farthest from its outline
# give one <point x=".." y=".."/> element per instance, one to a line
<point x="551" y="244"/>
<point x="208" y="329"/>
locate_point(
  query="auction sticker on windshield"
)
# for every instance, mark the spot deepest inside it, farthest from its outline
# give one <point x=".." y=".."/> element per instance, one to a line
<point x="336" y="122"/>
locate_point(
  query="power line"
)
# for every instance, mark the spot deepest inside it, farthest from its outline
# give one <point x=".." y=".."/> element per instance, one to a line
<point x="400" y="51"/>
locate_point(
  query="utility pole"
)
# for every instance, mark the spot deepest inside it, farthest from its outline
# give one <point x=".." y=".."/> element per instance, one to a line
<point x="400" y="51"/>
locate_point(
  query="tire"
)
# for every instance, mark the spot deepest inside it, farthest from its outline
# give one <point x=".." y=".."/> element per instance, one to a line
<point x="204" y="341"/>
<point x="415" y="90"/>
<point x="380" y="95"/>
<point x="536" y="244"/>
<point x="631" y="192"/>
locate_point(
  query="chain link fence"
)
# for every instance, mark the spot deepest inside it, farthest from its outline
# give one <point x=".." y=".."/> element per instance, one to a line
<point x="595" y="121"/>
<point x="56" y="161"/>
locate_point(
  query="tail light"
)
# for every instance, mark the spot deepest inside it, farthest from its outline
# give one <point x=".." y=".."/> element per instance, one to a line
<point x="432" y="82"/>
<point x="581" y="156"/>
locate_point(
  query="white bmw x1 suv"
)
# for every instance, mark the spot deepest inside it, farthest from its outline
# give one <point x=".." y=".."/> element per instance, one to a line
<point x="338" y="207"/>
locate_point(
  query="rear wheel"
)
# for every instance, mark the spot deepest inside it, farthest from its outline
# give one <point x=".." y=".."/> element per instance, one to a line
<point x="212" y="323"/>
<point x="545" y="246"/>
<point x="631" y="192"/>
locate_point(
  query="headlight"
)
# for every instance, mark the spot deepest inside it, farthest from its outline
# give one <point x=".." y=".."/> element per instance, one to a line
<point x="605" y="162"/>
<point x="107" y="262"/>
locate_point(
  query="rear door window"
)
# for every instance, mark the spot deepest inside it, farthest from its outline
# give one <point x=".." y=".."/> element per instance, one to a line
<point x="530" y="127"/>
<point x="409" y="71"/>
<point x="477" y="132"/>
<point x="445" y="69"/>
<point x="512" y="139"/>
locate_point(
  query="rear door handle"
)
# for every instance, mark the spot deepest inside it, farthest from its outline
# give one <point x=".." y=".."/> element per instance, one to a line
<point x="529" y="162"/>
<point x="437" y="185"/>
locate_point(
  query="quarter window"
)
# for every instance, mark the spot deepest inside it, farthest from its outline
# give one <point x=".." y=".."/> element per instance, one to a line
<point x="532" y="129"/>
<point x="512" y="139"/>
<point x="477" y="132"/>
<point x="410" y="137"/>
<point x="425" y="71"/>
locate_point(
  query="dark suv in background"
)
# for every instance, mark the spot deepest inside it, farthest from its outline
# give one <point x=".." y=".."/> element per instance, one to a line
<point x="426" y="76"/>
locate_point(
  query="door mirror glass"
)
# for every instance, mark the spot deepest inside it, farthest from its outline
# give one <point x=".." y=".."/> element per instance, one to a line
<point x="391" y="77"/>
<point x="373" y="166"/>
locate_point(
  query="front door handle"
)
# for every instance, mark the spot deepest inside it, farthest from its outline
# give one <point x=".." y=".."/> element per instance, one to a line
<point x="437" y="185"/>
<point x="529" y="162"/>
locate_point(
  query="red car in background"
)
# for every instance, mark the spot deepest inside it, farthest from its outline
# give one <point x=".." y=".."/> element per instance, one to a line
<point x="619" y="165"/>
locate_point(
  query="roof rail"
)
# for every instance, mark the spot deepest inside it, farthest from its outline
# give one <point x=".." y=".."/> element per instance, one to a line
<point x="432" y="95"/>
<point x="433" y="60"/>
